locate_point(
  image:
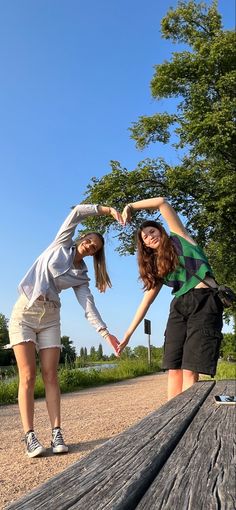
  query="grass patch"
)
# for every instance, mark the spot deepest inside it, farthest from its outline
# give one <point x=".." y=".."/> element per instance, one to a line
<point x="8" y="391"/>
<point x="225" y="370"/>
<point x="74" y="379"/>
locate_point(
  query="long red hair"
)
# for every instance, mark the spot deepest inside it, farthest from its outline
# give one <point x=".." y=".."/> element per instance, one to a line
<point x="154" y="265"/>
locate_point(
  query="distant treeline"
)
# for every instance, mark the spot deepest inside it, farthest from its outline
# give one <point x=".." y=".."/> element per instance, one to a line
<point x="69" y="356"/>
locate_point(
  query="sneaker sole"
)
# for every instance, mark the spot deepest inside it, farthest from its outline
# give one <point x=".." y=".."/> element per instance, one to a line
<point x="60" y="449"/>
<point x="36" y="453"/>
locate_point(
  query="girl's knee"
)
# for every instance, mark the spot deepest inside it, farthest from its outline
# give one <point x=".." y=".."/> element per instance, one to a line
<point x="50" y="376"/>
<point x="27" y="378"/>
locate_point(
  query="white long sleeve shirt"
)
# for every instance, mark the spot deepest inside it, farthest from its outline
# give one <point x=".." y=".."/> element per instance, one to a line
<point x="53" y="271"/>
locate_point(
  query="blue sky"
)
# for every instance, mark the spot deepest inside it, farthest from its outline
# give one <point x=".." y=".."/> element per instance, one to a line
<point x="74" y="76"/>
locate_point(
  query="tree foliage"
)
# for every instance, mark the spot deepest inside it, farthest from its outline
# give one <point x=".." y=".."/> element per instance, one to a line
<point x="6" y="355"/>
<point x="118" y="188"/>
<point x="202" y="185"/>
<point x="68" y="353"/>
<point x="93" y="353"/>
<point x="228" y="347"/>
<point x="100" y="352"/>
<point x="4" y="337"/>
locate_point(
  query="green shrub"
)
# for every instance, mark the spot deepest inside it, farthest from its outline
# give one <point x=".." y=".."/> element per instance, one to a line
<point x="8" y="391"/>
<point x="39" y="390"/>
<point x="225" y="370"/>
<point x="72" y="379"/>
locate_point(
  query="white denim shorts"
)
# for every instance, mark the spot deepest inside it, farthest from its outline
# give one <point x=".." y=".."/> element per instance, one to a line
<point x="39" y="324"/>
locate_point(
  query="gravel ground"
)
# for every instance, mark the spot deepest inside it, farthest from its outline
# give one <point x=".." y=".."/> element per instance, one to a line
<point x="89" y="418"/>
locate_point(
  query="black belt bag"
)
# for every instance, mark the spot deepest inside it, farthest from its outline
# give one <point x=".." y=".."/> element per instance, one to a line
<point x="225" y="294"/>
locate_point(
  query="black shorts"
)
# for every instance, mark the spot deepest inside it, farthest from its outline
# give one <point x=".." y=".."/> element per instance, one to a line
<point x="193" y="332"/>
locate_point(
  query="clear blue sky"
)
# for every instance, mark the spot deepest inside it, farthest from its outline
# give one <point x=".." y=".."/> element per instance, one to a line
<point x="74" y="76"/>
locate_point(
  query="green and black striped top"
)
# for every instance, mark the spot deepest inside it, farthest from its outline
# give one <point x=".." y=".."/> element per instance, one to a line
<point x="193" y="258"/>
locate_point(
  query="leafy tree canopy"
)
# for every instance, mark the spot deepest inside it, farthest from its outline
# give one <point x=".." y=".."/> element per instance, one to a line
<point x="6" y="355"/>
<point x="118" y="188"/>
<point x="228" y="348"/>
<point x="202" y="186"/>
<point x="4" y="337"/>
<point x="68" y="353"/>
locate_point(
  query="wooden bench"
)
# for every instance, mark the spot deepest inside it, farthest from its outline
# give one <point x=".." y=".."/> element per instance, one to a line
<point x="179" y="457"/>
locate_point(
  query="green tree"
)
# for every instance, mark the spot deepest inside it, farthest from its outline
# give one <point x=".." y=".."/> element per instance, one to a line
<point x="157" y="353"/>
<point x="93" y="354"/>
<point x="141" y="352"/>
<point x="4" y="336"/>
<point x="202" y="186"/>
<point x="6" y="355"/>
<point x="228" y="347"/>
<point x="127" y="353"/>
<point x="68" y="352"/>
<point x="100" y="352"/>
<point x="111" y="357"/>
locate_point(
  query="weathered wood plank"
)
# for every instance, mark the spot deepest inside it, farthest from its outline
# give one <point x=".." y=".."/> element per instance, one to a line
<point x="200" y="473"/>
<point x="116" y="475"/>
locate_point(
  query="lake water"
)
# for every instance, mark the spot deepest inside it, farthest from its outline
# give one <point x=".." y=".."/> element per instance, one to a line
<point x="99" y="367"/>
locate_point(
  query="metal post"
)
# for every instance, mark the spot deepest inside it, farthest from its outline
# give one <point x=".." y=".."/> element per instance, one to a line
<point x="149" y="350"/>
<point x="147" y="330"/>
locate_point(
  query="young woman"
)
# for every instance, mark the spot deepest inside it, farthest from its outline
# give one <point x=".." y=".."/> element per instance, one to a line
<point x="193" y="331"/>
<point x="35" y="320"/>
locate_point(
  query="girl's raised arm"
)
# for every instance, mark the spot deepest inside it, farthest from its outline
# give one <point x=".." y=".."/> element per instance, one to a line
<point x="168" y="213"/>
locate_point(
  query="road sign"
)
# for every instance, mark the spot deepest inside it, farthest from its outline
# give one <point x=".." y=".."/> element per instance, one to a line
<point x="147" y="327"/>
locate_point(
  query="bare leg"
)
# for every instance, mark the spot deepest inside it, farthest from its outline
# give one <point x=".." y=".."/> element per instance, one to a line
<point x="189" y="378"/>
<point x="49" y="362"/>
<point x="175" y="382"/>
<point x="25" y="357"/>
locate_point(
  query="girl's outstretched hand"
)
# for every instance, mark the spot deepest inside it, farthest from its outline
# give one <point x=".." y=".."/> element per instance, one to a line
<point x="116" y="215"/>
<point x="126" y="214"/>
<point x="112" y="340"/>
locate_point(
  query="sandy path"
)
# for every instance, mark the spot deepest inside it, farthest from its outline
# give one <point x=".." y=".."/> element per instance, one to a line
<point x="89" y="417"/>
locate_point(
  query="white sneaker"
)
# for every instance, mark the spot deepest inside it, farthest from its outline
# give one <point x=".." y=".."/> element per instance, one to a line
<point x="33" y="446"/>
<point x="57" y="443"/>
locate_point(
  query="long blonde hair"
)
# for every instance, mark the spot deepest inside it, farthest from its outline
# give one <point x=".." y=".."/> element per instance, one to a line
<point x="154" y="265"/>
<point x="102" y="280"/>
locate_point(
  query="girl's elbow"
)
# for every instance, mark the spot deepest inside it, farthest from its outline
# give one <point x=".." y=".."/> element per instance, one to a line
<point x="160" y="201"/>
<point x="163" y="200"/>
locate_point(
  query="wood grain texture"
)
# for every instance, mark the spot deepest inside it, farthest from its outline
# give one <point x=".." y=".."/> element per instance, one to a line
<point x="117" y="475"/>
<point x="200" y="473"/>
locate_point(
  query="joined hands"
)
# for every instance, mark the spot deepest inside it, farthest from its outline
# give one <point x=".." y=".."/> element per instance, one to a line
<point x="122" y="218"/>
